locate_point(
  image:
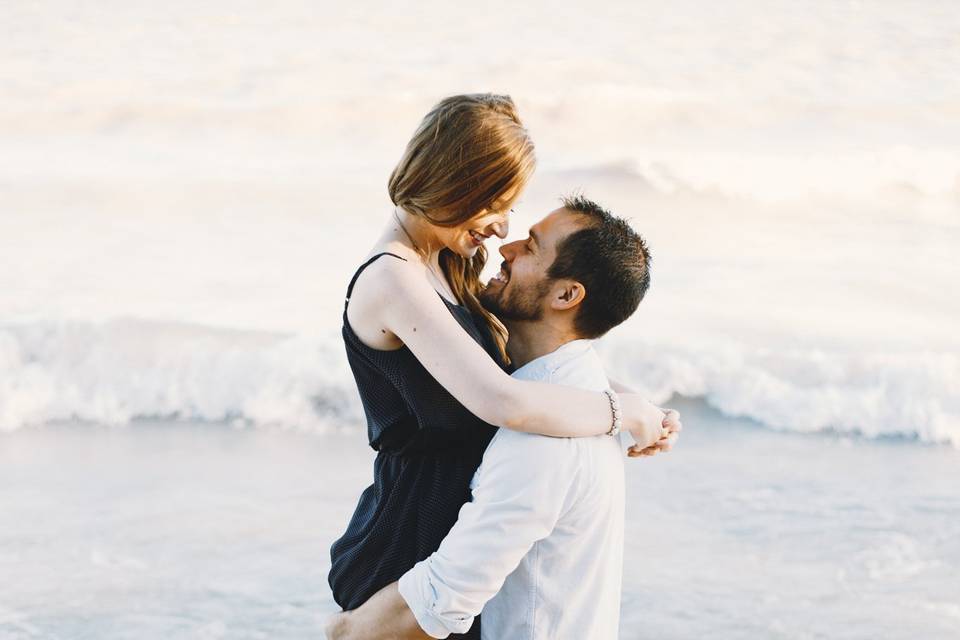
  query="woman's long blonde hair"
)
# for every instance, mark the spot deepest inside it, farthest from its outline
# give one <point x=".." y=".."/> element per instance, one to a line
<point x="466" y="155"/>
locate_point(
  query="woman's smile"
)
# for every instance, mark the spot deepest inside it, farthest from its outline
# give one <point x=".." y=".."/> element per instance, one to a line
<point x="477" y="238"/>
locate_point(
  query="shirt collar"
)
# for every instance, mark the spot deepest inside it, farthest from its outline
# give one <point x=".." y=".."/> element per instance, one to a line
<point x="555" y="358"/>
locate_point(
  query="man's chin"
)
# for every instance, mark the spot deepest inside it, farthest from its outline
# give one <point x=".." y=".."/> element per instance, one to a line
<point x="489" y="300"/>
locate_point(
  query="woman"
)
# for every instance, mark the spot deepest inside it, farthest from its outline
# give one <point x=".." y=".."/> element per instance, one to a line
<point x="429" y="361"/>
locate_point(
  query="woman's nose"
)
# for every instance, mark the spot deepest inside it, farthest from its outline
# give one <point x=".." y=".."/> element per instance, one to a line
<point x="501" y="229"/>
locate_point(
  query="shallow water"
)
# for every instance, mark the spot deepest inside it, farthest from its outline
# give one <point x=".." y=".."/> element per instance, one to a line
<point x="205" y="531"/>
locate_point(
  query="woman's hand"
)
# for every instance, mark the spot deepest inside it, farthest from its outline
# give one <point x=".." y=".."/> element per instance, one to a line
<point x="670" y="432"/>
<point x="670" y="428"/>
<point x="643" y="419"/>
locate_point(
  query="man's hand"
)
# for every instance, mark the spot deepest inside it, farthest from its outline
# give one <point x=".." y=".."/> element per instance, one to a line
<point x="385" y="616"/>
<point x="338" y="626"/>
<point x="671" y="427"/>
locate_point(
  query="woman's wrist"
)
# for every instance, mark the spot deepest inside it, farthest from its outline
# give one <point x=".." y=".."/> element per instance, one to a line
<point x="615" y="412"/>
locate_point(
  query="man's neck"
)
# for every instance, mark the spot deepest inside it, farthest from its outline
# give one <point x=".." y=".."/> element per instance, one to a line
<point x="531" y="340"/>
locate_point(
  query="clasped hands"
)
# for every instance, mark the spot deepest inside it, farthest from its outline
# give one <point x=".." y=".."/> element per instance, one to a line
<point x="670" y="427"/>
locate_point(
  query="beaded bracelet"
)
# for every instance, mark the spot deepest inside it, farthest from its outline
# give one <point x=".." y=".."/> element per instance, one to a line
<point x="615" y="410"/>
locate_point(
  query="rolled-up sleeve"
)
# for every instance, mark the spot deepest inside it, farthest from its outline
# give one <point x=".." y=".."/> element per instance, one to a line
<point x="521" y="490"/>
<point x="424" y="601"/>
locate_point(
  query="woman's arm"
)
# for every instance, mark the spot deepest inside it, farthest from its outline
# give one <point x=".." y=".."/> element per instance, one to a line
<point x="402" y="300"/>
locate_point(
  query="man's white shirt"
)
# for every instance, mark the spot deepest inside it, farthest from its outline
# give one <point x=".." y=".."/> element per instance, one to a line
<point x="540" y="548"/>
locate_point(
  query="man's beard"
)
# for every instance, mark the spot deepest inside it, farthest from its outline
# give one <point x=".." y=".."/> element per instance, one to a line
<point x="521" y="304"/>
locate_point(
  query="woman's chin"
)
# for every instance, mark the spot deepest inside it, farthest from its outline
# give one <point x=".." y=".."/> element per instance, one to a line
<point x="465" y="251"/>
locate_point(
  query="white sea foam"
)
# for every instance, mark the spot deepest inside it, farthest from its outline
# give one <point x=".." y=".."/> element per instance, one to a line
<point x="118" y="371"/>
<point x="871" y="394"/>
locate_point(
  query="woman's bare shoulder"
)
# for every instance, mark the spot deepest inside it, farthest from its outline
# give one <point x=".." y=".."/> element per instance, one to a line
<point x="392" y="267"/>
<point x="387" y="279"/>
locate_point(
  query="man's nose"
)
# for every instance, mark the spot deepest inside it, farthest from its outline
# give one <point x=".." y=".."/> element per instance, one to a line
<point x="509" y="250"/>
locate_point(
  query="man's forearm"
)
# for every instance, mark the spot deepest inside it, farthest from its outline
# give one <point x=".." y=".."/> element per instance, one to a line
<point x="385" y="616"/>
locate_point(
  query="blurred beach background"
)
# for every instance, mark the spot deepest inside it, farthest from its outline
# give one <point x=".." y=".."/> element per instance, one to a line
<point x="186" y="188"/>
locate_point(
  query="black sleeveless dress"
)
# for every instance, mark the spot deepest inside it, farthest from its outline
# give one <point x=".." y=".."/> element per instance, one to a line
<point x="429" y="446"/>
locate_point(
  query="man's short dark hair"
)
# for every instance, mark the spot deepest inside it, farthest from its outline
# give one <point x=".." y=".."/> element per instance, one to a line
<point x="609" y="259"/>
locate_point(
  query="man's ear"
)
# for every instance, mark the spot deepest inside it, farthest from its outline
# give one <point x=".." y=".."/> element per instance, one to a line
<point x="567" y="294"/>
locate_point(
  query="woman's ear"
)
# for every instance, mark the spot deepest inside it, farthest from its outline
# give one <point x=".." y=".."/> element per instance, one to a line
<point x="567" y="294"/>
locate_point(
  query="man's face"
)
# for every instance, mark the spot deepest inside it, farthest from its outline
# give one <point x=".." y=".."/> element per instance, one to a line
<point x="520" y="290"/>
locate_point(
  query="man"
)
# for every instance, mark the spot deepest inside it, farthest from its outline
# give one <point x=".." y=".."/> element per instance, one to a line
<point x="540" y="548"/>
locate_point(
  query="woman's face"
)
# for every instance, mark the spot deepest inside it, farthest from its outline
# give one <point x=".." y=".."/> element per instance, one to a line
<point x="466" y="238"/>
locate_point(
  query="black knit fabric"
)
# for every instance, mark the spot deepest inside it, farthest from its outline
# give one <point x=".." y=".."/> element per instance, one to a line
<point x="429" y="446"/>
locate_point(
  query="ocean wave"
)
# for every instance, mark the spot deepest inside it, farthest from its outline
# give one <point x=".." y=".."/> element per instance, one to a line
<point x="118" y="371"/>
<point x="875" y="395"/>
<point x="115" y="372"/>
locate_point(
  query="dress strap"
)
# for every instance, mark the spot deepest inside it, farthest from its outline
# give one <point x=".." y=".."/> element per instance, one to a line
<point x="356" y="275"/>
